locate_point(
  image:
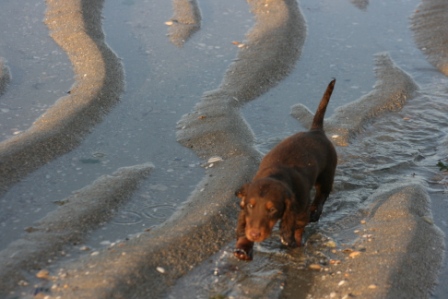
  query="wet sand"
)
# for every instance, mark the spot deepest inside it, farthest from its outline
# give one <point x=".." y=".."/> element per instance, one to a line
<point x="76" y="27"/>
<point x="429" y="33"/>
<point x="185" y="21"/>
<point x="4" y="76"/>
<point x="399" y="216"/>
<point x="391" y="91"/>
<point x="394" y="256"/>
<point x="86" y="210"/>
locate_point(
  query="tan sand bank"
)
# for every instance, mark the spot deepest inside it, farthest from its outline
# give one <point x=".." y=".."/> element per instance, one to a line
<point x="397" y="255"/>
<point x="185" y="21"/>
<point x="76" y="27"/>
<point x="68" y="224"/>
<point x="151" y="262"/>
<point x="430" y="32"/>
<point x="391" y="91"/>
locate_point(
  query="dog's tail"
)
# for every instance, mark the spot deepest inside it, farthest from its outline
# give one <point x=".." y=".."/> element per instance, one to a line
<point x="318" y="120"/>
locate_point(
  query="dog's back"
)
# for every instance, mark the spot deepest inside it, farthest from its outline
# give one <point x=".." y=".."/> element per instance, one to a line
<point x="310" y="149"/>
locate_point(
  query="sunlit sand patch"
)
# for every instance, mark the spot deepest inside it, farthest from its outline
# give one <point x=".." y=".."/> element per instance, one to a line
<point x="5" y="76"/>
<point x="185" y="21"/>
<point x="77" y="215"/>
<point x="76" y="27"/>
<point x="392" y="89"/>
<point x="396" y="238"/>
<point x="430" y="33"/>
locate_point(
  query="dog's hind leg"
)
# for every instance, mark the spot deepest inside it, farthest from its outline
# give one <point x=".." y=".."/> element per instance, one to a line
<point x="323" y="188"/>
<point x="318" y="204"/>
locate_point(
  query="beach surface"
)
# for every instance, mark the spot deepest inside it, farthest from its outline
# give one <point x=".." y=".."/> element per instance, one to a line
<point x="121" y="151"/>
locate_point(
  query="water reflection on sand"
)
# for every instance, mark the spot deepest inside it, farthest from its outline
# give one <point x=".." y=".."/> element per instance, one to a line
<point x="392" y="133"/>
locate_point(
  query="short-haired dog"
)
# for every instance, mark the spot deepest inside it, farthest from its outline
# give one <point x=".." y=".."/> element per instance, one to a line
<point x="280" y="190"/>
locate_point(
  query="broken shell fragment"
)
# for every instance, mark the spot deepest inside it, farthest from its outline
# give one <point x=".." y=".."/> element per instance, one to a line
<point x="354" y="254"/>
<point x="316" y="267"/>
<point x="215" y="159"/>
<point x="43" y="274"/>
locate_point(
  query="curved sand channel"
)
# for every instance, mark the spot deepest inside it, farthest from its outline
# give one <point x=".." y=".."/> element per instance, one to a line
<point x="86" y="210"/>
<point x="184" y="240"/>
<point x="99" y="82"/>
<point x="151" y="262"/>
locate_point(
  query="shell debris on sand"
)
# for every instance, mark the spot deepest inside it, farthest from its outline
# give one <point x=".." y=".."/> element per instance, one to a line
<point x="315" y="267"/>
<point x="43" y="274"/>
<point x="215" y="159"/>
<point x="211" y="161"/>
<point x="354" y="254"/>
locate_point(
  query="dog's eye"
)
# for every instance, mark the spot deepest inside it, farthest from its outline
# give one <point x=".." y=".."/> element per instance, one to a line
<point x="250" y="206"/>
<point x="272" y="210"/>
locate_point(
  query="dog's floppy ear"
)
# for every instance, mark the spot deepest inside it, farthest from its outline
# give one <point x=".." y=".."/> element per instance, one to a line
<point x="241" y="193"/>
<point x="288" y="219"/>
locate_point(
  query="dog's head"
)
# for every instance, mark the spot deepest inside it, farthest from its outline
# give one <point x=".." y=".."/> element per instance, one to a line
<point x="264" y="202"/>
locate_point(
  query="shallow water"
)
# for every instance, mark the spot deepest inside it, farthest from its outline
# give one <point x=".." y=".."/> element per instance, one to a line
<point x="164" y="82"/>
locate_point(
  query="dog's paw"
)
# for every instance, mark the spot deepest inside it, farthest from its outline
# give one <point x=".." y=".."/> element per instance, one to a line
<point x="314" y="217"/>
<point x="288" y="242"/>
<point x="241" y="254"/>
<point x="284" y="242"/>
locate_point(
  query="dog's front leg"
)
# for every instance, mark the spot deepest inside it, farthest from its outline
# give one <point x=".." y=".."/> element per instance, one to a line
<point x="302" y="220"/>
<point x="287" y="228"/>
<point x="292" y="234"/>
<point x="298" y="236"/>
<point x="244" y="247"/>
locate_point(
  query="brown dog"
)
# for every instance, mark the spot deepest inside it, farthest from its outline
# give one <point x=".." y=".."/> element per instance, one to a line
<point x="281" y="188"/>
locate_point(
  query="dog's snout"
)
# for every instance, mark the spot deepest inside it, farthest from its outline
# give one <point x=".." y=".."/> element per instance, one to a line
<point x="255" y="234"/>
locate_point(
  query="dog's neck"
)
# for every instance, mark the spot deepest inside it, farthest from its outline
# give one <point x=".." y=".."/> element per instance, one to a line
<point x="287" y="175"/>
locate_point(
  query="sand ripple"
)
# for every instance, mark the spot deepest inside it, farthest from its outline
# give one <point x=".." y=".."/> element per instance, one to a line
<point x="430" y="33"/>
<point x="185" y="21"/>
<point x="69" y="224"/>
<point x="392" y="89"/>
<point x="76" y="27"/>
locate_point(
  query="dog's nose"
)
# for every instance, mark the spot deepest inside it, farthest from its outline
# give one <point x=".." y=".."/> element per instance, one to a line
<point x="255" y="234"/>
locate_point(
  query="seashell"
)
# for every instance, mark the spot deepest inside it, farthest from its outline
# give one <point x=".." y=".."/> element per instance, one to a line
<point x="43" y="274"/>
<point x="215" y="159"/>
<point x="315" y="267"/>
